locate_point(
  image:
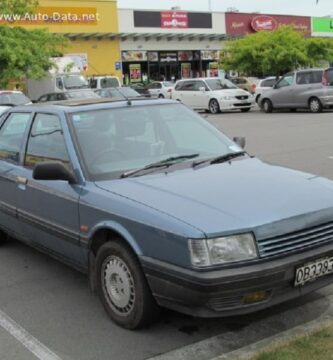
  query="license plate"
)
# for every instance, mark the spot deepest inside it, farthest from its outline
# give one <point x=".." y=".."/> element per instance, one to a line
<point x="313" y="270"/>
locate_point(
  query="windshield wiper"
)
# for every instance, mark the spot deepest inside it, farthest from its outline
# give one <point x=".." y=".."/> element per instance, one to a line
<point x="220" y="159"/>
<point x="163" y="163"/>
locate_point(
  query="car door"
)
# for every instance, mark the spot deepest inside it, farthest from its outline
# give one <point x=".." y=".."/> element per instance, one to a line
<point x="200" y="95"/>
<point x="48" y="210"/>
<point x="13" y="130"/>
<point x="282" y="92"/>
<point x="187" y="93"/>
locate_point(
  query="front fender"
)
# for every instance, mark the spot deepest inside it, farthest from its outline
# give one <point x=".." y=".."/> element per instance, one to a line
<point x="115" y="227"/>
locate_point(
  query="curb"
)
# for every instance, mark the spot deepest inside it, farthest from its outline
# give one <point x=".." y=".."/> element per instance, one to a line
<point x="276" y="341"/>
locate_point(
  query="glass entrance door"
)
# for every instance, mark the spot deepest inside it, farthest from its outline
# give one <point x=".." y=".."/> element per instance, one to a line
<point x="169" y="71"/>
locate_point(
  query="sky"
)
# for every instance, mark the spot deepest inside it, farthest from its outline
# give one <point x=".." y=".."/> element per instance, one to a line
<point x="287" y="7"/>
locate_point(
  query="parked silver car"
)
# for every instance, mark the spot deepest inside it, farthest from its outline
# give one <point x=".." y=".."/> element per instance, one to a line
<point x="308" y="89"/>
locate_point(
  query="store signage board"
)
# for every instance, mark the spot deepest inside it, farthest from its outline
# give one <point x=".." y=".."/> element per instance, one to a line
<point x="264" y="23"/>
<point x="322" y="25"/>
<point x="174" y="19"/>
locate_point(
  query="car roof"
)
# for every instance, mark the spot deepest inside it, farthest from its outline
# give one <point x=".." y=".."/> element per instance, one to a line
<point x="72" y="106"/>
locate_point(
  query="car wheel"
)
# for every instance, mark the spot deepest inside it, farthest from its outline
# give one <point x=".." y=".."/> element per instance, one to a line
<point x="161" y="96"/>
<point x="214" y="106"/>
<point x="315" y="105"/>
<point x="123" y="288"/>
<point x="245" y="110"/>
<point x="267" y="106"/>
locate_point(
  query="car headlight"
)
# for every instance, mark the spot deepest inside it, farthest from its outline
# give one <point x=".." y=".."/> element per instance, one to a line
<point x="227" y="97"/>
<point x="222" y="250"/>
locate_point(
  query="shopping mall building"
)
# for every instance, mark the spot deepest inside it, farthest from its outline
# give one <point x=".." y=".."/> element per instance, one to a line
<point x="138" y="45"/>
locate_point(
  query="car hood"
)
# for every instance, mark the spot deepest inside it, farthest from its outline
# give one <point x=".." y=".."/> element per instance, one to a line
<point x="234" y="196"/>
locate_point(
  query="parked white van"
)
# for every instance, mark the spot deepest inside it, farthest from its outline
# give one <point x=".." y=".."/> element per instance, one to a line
<point x="104" y="82"/>
<point x="213" y="94"/>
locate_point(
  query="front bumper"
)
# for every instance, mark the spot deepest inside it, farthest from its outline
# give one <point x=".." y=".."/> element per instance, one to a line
<point x="224" y="292"/>
<point x="236" y="104"/>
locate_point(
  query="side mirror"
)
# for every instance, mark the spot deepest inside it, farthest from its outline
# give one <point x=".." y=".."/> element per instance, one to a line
<point x="53" y="170"/>
<point x="202" y="89"/>
<point x="240" y="141"/>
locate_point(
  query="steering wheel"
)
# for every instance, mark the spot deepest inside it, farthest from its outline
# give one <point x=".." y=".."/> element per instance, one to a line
<point x="111" y="154"/>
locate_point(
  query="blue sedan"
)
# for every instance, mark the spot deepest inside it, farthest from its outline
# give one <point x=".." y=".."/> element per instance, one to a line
<point x="160" y="208"/>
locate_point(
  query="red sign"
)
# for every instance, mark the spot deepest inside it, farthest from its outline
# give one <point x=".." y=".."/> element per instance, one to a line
<point x="174" y="19"/>
<point x="264" y="23"/>
<point x="241" y="23"/>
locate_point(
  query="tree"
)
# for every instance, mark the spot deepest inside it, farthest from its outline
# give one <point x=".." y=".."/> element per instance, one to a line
<point x="25" y="53"/>
<point x="274" y="53"/>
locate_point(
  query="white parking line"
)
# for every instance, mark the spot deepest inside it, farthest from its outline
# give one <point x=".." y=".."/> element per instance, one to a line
<point x="26" y="339"/>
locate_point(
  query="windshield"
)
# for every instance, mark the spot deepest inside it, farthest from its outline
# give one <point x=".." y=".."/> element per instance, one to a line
<point x="220" y="84"/>
<point x="13" y="99"/>
<point x="75" y="82"/>
<point x="116" y="140"/>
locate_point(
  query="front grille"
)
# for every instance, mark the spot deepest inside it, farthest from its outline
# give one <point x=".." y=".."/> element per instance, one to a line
<point x="297" y="240"/>
<point x="242" y="97"/>
<point x="242" y="104"/>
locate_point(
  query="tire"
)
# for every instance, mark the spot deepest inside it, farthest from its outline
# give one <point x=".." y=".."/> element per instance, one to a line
<point x="214" y="107"/>
<point x="245" y="110"/>
<point x="267" y="106"/>
<point x="161" y="96"/>
<point x="315" y="105"/>
<point x="123" y="288"/>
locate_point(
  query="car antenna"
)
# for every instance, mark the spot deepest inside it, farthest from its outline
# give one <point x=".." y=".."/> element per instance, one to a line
<point x="129" y="101"/>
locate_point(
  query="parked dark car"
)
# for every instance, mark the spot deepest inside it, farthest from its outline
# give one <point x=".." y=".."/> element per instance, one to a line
<point x="69" y="95"/>
<point x="13" y="98"/>
<point x="118" y="92"/>
<point x="161" y="209"/>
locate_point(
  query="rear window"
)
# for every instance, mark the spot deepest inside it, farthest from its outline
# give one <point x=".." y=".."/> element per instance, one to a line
<point x="13" y="99"/>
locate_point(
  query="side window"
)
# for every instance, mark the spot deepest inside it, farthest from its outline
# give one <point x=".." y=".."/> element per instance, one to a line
<point x="287" y="80"/>
<point x="268" y="83"/>
<point x="330" y="76"/>
<point x="200" y="84"/>
<point x="317" y="77"/>
<point x="46" y="141"/>
<point x="158" y="86"/>
<point x="12" y="136"/>
<point x="188" y="86"/>
<point x="303" y="78"/>
<point x="43" y="98"/>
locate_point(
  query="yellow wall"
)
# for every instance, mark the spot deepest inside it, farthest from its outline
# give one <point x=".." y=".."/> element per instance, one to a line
<point x="102" y="54"/>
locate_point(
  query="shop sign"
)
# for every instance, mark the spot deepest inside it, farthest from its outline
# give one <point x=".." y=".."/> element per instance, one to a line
<point x="322" y="25"/>
<point x="210" y="55"/>
<point x="134" y="56"/>
<point x="241" y="23"/>
<point x="168" y="57"/>
<point x="264" y="23"/>
<point x="214" y="69"/>
<point x="174" y="19"/>
<point x="186" y="70"/>
<point x="46" y="15"/>
<point x="152" y="56"/>
<point x="135" y="73"/>
<point x="185" y="55"/>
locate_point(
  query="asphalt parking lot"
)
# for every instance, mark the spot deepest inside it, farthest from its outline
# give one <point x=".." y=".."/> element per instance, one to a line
<point x="48" y="306"/>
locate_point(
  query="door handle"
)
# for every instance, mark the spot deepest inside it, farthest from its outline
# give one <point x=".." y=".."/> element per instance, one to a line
<point x="21" y="180"/>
